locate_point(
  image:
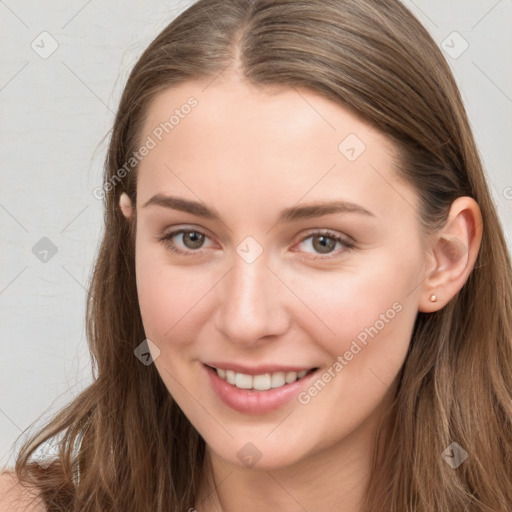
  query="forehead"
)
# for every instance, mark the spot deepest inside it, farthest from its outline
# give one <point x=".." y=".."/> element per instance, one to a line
<point x="228" y="139"/>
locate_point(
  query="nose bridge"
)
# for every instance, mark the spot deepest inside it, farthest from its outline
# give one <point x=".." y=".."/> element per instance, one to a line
<point x="249" y="302"/>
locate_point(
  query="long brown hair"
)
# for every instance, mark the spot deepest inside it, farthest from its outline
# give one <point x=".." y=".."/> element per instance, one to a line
<point x="139" y="452"/>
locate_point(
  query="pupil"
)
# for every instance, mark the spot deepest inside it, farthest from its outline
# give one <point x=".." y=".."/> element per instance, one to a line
<point x="193" y="240"/>
<point x="325" y="245"/>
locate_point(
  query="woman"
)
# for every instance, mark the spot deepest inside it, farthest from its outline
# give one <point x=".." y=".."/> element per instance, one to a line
<point x="302" y="300"/>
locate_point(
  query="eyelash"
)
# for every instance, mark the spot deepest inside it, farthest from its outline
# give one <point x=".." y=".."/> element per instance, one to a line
<point x="347" y="244"/>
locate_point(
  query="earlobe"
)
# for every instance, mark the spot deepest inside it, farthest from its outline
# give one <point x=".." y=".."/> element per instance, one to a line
<point x="125" y="204"/>
<point x="455" y="248"/>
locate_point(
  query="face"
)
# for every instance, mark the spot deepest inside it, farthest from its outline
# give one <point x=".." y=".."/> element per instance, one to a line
<point x="274" y="239"/>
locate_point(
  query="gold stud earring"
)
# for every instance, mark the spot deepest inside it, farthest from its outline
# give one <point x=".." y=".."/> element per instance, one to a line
<point x="433" y="298"/>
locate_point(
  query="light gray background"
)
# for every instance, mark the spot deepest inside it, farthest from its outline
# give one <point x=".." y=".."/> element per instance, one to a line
<point x="55" y="113"/>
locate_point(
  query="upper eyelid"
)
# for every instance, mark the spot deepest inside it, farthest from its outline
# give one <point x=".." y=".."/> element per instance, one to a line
<point x="176" y="231"/>
<point x="310" y="232"/>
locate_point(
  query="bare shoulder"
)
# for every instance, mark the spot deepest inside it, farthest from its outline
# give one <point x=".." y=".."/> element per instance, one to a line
<point x="15" y="497"/>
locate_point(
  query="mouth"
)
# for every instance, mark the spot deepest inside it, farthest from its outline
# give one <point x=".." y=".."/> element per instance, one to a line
<point x="257" y="391"/>
<point x="261" y="381"/>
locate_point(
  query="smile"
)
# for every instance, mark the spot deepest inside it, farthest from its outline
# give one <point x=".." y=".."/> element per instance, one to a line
<point x="261" y="382"/>
<point x="258" y="390"/>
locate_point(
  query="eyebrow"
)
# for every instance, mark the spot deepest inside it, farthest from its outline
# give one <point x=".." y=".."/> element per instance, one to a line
<point x="287" y="215"/>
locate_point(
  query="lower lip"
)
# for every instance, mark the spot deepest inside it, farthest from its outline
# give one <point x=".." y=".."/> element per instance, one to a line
<point x="250" y="401"/>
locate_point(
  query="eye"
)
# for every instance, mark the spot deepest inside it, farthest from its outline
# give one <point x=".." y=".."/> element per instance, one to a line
<point x="325" y="243"/>
<point x="184" y="241"/>
<point x="189" y="242"/>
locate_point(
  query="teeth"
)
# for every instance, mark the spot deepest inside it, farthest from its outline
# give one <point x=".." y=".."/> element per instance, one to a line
<point x="278" y="379"/>
<point x="259" y="382"/>
<point x="290" y="377"/>
<point x="230" y="376"/>
<point x="262" y="382"/>
<point x="243" y="381"/>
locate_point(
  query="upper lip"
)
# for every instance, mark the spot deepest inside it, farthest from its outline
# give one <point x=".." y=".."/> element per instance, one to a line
<point x="258" y="370"/>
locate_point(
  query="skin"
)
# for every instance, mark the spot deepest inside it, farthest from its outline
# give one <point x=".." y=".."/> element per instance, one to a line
<point x="248" y="153"/>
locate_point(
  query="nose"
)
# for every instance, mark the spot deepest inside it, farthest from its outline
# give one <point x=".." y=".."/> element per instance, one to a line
<point x="250" y="303"/>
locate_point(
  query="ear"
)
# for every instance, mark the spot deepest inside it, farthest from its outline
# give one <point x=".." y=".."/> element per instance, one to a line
<point x="454" y="249"/>
<point x="125" y="204"/>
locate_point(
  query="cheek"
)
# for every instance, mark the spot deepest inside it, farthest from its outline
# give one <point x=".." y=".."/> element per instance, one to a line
<point x="372" y="315"/>
<point x="170" y="297"/>
<point x="359" y="303"/>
